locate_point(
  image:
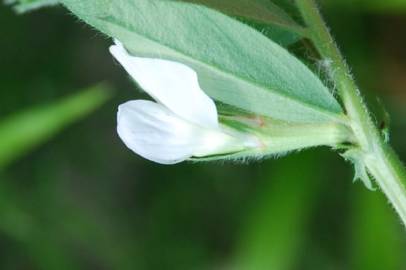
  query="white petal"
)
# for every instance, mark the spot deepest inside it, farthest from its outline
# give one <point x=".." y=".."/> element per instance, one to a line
<point x="155" y="133"/>
<point x="172" y="84"/>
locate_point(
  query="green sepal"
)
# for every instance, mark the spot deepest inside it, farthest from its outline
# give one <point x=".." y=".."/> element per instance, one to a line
<point x="355" y="156"/>
<point x="278" y="138"/>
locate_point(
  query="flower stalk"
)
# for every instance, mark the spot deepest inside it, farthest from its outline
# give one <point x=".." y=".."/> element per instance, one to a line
<point x="376" y="155"/>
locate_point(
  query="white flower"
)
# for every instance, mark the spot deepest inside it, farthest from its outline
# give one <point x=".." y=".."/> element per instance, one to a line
<point x="181" y="124"/>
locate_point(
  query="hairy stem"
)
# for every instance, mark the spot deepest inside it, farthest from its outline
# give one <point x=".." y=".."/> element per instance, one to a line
<point x="381" y="161"/>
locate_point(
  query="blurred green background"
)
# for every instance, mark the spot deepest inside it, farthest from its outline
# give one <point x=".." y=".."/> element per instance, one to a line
<point x="78" y="199"/>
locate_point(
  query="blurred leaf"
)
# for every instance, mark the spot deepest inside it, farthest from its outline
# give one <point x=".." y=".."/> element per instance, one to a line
<point x="277" y="225"/>
<point x="236" y="64"/>
<point x="40" y="244"/>
<point x="27" y="5"/>
<point x="377" y="234"/>
<point x="22" y="132"/>
<point x="397" y="6"/>
<point x="49" y="232"/>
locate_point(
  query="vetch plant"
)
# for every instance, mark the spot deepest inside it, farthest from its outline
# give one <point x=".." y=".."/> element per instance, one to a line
<point x="188" y="54"/>
<point x="184" y="123"/>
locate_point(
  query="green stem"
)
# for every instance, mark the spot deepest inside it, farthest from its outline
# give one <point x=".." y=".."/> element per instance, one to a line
<point x="381" y="161"/>
<point x="389" y="173"/>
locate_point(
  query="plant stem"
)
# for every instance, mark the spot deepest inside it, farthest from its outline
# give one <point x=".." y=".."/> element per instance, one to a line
<point x="389" y="173"/>
<point x="381" y="161"/>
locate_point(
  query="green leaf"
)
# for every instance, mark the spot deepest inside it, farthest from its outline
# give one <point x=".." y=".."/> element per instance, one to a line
<point x="236" y="64"/>
<point x="22" y="132"/>
<point x="276" y="33"/>
<point x="260" y="11"/>
<point x="290" y="7"/>
<point x="22" y="6"/>
<point x="263" y="15"/>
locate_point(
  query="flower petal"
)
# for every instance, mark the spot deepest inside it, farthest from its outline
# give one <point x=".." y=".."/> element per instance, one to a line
<point x="155" y="133"/>
<point x="172" y="84"/>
